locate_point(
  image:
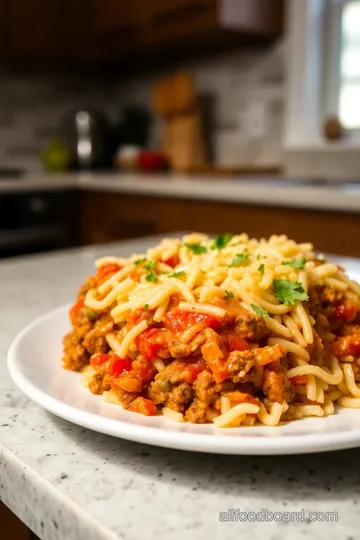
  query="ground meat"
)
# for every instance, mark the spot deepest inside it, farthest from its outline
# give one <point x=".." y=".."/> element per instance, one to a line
<point x="316" y="350"/>
<point x="241" y="367"/>
<point x="179" y="397"/>
<point x="75" y="354"/>
<point x="277" y="387"/>
<point x="197" y="412"/>
<point x="95" y="343"/>
<point x="99" y="382"/>
<point x="207" y="390"/>
<point x="124" y="397"/>
<point x="250" y="326"/>
<point x="178" y="349"/>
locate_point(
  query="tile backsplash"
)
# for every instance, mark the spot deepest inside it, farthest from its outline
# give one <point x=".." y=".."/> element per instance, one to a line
<point x="246" y="87"/>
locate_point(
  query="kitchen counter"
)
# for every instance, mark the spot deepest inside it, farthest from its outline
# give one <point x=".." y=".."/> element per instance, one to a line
<point x="66" y="482"/>
<point x="343" y="197"/>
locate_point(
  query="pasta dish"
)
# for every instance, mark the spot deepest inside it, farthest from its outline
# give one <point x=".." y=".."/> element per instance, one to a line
<point x="229" y="330"/>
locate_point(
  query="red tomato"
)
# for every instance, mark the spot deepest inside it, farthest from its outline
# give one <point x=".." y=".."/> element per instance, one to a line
<point x="173" y="260"/>
<point x="236" y="343"/>
<point x="347" y="346"/>
<point x="193" y="369"/>
<point x="75" y="310"/>
<point x="119" y="365"/>
<point x="299" y="379"/>
<point x="136" y="316"/>
<point x="98" y="360"/>
<point x="148" y="343"/>
<point x="345" y="311"/>
<point x="143" y="406"/>
<point x="145" y="369"/>
<point x="177" y="320"/>
<point x="107" y="269"/>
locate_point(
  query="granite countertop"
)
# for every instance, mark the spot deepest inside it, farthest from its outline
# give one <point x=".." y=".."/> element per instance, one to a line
<point x="66" y="482"/>
<point x="271" y="191"/>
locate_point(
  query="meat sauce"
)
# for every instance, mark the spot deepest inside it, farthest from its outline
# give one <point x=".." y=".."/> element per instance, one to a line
<point x="205" y="358"/>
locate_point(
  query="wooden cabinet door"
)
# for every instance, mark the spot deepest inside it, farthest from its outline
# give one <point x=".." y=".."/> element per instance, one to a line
<point x="34" y="29"/>
<point x="118" y="19"/>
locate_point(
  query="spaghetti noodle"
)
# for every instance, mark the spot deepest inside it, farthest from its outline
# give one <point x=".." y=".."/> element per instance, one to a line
<point x="229" y="330"/>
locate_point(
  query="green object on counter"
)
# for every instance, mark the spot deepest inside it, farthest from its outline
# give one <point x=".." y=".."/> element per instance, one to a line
<point x="56" y="157"/>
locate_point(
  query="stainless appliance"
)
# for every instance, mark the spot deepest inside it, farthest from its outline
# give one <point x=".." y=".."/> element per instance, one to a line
<point x="36" y="222"/>
<point x="87" y="133"/>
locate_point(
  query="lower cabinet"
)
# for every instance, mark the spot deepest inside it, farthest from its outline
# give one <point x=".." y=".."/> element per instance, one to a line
<point x="107" y="217"/>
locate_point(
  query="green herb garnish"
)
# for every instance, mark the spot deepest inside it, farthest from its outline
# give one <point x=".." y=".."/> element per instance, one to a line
<point x="229" y="294"/>
<point x="139" y="261"/>
<point x="240" y="258"/>
<point x="259" y="311"/>
<point x="261" y="268"/>
<point x="298" y="264"/>
<point x="151" y="277"/>
<point x="146" y="307"/>
<point x="177" y="274"/>
<point x="320" y="260"/>
<point x="288" y="292"/>
<point x="149" y="265"/>
<point x="196" y="248"/>
<point x="221" y="240"/>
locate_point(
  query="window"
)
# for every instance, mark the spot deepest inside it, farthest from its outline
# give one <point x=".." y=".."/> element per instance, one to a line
<point x="349" y="69"/>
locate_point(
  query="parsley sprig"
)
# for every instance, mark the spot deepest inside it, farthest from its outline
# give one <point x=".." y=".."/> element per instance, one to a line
<point x="298" y="264"/>
<point x="261" y="268"/>
<point x="259" y="311"/>
<point x="177" y="274"/>
<point x="151" y="276"/>
<point x="196" y="248"/>
<point x="221" y="240"/>
<point x="288" y="292"/>
<point x="240" y="258"/>
<point x="229" y="294"/>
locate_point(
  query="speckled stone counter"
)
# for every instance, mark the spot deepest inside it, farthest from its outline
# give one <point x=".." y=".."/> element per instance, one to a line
<point x="69" y="483"/>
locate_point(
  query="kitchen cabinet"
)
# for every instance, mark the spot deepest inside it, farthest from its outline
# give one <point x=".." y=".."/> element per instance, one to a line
<point x="32" y="29"/>
<point x="109" y="217"/>
<point x="62" y="33"/>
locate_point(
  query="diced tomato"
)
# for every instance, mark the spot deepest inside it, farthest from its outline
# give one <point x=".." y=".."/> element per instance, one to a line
<point x="119" y="365"/>
<point x="269" y="354"/>
<point x="173" y="260"/>
<point x="143" y="406"/>
<point x="241" y="397"/>
<point x="106" y="270"/>
<point x="145" y="369"/>
<point x="149" y="343"/>
<point x="98" y="360"/>
<point x="345" y="311"/>
<point x="136" y="316"/>
<point x="236" y="343"/>
<point x="299" y="379"/>
<point x="177" y="320"/>
<point x="347" y="346"/>
<point x="193" y="369"/>
<point x="130" y="384"/>
<point x="75" y="310"/>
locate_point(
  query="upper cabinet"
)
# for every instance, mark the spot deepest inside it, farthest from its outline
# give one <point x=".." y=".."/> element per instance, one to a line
<point x="97" y="31"/>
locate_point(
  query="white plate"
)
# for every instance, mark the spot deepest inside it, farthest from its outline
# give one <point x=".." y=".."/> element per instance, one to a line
<point x="34" y="362"/>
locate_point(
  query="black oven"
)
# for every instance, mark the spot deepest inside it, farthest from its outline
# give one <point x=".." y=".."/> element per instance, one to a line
<point x="36" y="221"/>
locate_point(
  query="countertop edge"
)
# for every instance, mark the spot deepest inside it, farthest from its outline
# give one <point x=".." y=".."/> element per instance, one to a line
<point x="41" y="506"/>
<point x="334" y="197"/>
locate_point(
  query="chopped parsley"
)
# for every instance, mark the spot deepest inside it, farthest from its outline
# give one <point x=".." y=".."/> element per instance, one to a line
<point x="221" y="240"/>
<point x="149" y="265"/>
<point x="261" y="268"/>
<point x="196" y="248"/>
<point x="177" y="274"/>
<point x="139" y="261"/>
<point x="298" y="264"/>
<point x="240" y="258"/>
<point x="146" y="307"/>
<point x="229" y="294"/>
<point x="151" y="277"/>
<point x="288" y="292"/>
<point x="259" y="311"/>
<point x="320" y="260"/>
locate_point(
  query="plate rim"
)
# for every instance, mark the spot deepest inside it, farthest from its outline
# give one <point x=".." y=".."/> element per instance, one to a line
<point x="197" y="442"/>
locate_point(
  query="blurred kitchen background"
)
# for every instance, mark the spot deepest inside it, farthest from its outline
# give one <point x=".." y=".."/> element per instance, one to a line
<point x="121" y="118"/>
